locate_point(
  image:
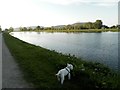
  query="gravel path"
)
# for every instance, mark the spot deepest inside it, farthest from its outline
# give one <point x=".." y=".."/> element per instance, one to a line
<point x="0" y="61"/>
<point x="12" y="76"/>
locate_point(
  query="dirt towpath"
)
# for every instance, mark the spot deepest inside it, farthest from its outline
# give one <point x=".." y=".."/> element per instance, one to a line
<point x="11" y="74"/>
<point x="0" y="61"/>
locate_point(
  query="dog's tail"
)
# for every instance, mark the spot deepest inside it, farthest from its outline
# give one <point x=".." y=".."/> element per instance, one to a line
<point x="57" y="74"/>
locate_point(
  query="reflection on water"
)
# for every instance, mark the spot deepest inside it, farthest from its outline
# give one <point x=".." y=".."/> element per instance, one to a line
<point x="100" y="47"/>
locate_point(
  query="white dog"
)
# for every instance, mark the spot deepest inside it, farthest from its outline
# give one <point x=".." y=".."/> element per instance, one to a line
<point x="63" y="72"/>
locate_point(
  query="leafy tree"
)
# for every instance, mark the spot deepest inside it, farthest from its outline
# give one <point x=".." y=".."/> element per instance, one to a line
<point x="30" y="29"/>
<point x="76" y="27"/>
<point x="0" y="29"/>
<point x="88" y="25"/>
<point x="52" y="28"/>
<point x="69" y="27"/>
<point x="118" y="27"/>
<point x="93" y="26"/>
<point x="6" y="30"/>
<point x="98" y="24"/>
<point x="20" y="28"/>
<point x="11" y="29"/>
<point x="104" y="27"/>
<point x="25" y="29"/>
<point x="85" y="26"/>
<point x="38" y="28"/>
<point x="113" y="27"/>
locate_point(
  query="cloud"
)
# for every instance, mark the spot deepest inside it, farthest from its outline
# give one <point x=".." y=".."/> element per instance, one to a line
<point x="107" y="4"/>
<point x="68" y="2"/>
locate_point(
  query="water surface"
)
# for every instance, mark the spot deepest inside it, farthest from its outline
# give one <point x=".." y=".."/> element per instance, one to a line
<point x="100" y="47"/>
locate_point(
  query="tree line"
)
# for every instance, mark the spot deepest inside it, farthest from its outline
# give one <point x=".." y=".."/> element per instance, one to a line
<point x="88" y="25"/>
<point x="98" y="24"/>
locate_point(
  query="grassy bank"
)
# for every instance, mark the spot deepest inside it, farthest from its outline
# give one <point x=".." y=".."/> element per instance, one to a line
<point x="40" y="65"/>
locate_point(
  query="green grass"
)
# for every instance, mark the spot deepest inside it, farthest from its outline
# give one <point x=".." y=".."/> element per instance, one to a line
<point x="40" y="65"/>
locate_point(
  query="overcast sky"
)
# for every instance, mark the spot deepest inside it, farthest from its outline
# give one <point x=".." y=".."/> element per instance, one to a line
<point x="16" y="13"/>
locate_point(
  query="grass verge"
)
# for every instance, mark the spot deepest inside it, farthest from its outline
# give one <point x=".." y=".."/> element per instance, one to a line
<point x="40" y="65"/>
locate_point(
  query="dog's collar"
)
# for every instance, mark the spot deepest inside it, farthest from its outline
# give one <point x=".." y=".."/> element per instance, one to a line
<point x="67" y="70"/>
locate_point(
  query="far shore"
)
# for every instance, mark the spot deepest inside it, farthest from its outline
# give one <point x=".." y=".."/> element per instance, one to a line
<point x="80" y="30"/>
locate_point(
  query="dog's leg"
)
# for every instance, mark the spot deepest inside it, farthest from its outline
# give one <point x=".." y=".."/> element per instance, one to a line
<point x="58" y="77"/>
<point x="69" y="76"/>
<point x="62" y="79"/>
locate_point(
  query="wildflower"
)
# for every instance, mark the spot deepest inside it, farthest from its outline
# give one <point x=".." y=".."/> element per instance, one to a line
<point x="83" y="69"/>
<point x="96" y="86"/>
<point x="93" y="72"/>
<point x="96" y="69"/>
<point x="82" y="65"/>
<point x="103" y="83"/>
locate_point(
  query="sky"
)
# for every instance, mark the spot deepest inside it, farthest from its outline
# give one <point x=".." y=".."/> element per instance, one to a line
<point x="24" y="13"/>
